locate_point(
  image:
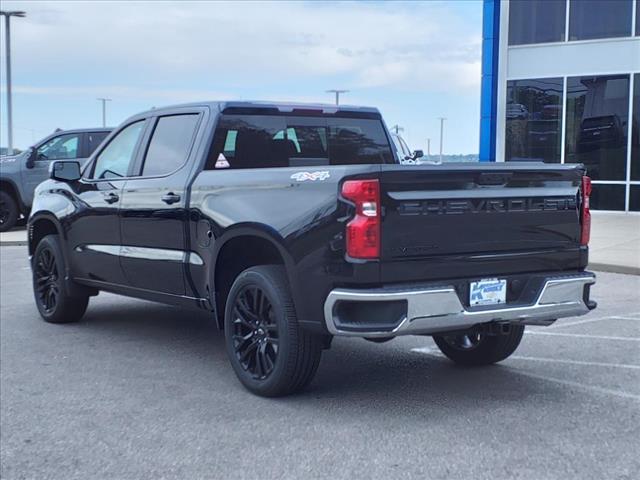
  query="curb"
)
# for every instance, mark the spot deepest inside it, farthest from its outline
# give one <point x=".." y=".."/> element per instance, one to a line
<point x="13" y="243"/>
<point x="604" y="267"/>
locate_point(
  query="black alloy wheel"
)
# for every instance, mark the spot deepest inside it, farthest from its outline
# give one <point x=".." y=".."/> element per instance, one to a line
<point x="269" y="352"/>
<point x="50" y="288"/>
<point x="255" y="332"/>
<point x="47" y="280"/>
<point x="8" y="212"/>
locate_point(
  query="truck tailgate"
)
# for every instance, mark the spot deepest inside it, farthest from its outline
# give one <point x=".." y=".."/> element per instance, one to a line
<point x="478" y="209"/>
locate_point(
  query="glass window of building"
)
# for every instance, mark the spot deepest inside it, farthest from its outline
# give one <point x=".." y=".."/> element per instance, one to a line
<point x="599" y="19"/>
<point x="536" y="21"/>
<point x="534" y="119"/>
<point x="597" y="118"/>
<point x="635" y="129"/>
<point x="607" y="197"/>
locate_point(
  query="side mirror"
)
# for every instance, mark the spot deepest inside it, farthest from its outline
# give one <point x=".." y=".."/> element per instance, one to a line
<point x="65" y="171"/>
<point x="418" y="154"/>
<point x="31" y="158"/>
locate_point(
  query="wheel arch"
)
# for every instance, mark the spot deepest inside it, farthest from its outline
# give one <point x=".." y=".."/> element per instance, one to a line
<point x="9" y="186"/>
<point x="242" y="248"/>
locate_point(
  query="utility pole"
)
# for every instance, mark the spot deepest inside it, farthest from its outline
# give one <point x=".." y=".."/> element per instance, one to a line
<point x="7" y="41"/>
<point x="442" y="119"/>
<point x="104" y="110"/>
<point x="337" y="92"/>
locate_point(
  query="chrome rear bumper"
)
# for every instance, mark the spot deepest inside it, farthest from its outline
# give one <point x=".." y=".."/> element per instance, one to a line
<point x="438" y="309"/>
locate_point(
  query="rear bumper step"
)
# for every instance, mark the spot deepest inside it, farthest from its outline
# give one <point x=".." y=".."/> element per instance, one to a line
<point x="388" y="312"/>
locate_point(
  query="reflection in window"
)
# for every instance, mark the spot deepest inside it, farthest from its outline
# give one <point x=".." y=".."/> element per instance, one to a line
<point x="599" y="19"/>
<point x="635" y="130"/>
<point x="170" y="144"/>
<point x="607" y="197"/>
<point x="534" y="116"/>
<point x="597" y="118"/>
<point x="536" y="21"/>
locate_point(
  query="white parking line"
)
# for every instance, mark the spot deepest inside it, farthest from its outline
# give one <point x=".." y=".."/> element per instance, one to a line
<point x="589" y="320"/>
<point x="570" y="383"/>
<point x="581" y="335"/>
<point x="575" y="362"/>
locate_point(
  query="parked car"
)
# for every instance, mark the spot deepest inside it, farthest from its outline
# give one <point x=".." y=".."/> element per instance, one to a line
<point x="293" y="224"/>
<point x="403" y="151"/>
<point x="20" y="174"/>
<point x="517" y="111"/>
<point x="601" y="132"/>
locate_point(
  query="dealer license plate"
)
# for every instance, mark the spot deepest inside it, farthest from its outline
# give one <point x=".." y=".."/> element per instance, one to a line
<point x="488" y="292"/>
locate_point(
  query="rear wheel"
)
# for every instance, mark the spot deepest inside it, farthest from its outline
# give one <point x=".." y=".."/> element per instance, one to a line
<point x="475" y="348"/>
<point x="9" y="212"/>
<point x="52" y="299"/>
<point x="269" y="352"/>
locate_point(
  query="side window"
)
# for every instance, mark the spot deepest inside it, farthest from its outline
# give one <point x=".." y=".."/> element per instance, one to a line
<point x="95" y="139"/>
<point x="170" y="144"/>
<point x="61" y="147"/>
<point x="114" y="160"/>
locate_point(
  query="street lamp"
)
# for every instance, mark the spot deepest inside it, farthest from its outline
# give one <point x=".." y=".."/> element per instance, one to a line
<point x="104" y="110"/>
<point x="7" y="31"/>
<point x="442" y="119"/>
<point x="337" y="92"/>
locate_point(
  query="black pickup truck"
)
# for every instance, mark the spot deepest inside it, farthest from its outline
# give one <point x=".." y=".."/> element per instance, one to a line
<point x="292" y="224"/>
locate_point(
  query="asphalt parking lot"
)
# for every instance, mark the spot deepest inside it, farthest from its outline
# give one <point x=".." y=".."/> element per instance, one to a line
<point x="138" y="390"/>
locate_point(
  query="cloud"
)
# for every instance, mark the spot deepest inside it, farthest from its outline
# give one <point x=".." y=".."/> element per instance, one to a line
<point x="400" y="45"/>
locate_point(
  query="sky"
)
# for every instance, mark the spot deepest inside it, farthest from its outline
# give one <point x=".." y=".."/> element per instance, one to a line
<point x="415" y="61"/>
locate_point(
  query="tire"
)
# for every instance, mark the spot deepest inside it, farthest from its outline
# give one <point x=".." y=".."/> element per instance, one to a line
<point x="473" y="349"/>
<point x="49" y="287"/>
<point x="9" y="211"/>
<point x="269" y="352"/>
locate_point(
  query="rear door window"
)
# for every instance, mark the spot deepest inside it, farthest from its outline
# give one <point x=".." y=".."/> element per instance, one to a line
<point x="170" y="144"/>
<point x="267" y="141"/>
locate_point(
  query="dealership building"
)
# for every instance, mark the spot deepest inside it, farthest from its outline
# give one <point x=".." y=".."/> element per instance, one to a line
<point x="561" y="84"/>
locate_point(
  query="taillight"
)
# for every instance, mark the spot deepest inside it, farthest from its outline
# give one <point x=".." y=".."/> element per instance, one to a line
<point x="363" y="232"/>
<point x="585" y="214"/>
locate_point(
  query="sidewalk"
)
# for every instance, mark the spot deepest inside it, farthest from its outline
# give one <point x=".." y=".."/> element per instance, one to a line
<point x="615" y="243"/>
<point x="614" y="247"/>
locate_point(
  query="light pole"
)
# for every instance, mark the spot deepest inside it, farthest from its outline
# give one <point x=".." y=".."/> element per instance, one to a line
<point x="428" y="148"/>
<point x="397" y="129"/>
<point x="7" y="31"/>
<point x="442" y="119"/>
<point x="104" y="110"/>
<point x="337" y="92"/>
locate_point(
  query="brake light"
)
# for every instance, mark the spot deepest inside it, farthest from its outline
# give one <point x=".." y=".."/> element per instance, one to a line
<point x="363" y="232"/>
<point x="585" y="213"/>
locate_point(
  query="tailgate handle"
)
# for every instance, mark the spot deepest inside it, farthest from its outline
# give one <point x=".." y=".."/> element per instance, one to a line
<point x="494" y="178"/>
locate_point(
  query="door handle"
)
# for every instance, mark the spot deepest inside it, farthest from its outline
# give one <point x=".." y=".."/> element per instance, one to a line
<point x="111" y="198"/>
<point x="170" y="198"/>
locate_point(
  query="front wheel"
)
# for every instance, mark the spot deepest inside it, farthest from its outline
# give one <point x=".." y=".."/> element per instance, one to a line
<point x="9" y="212"/>
<point x="269" y="352"/>
<point x="474" y="348"/>
<point x="52" y="299"/>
